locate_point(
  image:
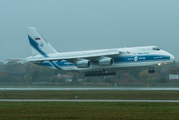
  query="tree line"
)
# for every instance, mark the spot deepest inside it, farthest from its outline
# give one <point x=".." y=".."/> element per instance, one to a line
<point x="31" y="74"/>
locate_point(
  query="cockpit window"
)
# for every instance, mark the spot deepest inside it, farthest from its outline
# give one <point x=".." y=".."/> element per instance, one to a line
<point x="156" y="48"/>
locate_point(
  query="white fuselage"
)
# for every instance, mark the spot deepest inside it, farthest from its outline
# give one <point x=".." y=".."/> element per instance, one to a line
<point x="132" y="57"/>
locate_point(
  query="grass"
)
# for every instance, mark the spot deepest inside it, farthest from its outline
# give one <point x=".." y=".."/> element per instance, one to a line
<point x="48" y="86"/>
<point x="88" y="111"/>
<point x="92" y="94"/>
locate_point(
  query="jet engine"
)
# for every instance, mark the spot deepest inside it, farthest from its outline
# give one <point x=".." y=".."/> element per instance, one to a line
<point x="106" y="61"/>
<point x="83" y="63"/>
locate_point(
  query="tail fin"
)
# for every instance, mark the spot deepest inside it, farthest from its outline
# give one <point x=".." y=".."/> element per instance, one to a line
<point x="38" y="44"/>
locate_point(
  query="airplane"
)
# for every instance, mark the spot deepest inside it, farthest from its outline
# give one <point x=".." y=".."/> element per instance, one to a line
<point x="95" y="62"/>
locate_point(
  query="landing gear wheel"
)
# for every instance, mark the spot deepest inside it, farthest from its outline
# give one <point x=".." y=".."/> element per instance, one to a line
<point x="151" y="70"/>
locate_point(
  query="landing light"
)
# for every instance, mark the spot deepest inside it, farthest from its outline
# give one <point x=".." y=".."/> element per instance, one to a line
<point x="159" y="63"/>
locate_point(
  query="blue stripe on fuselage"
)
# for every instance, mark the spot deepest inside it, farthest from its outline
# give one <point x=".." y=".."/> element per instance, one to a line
<point x="54" y="64"/>
<point x="141" y="58"/>
<point x="49" y="64"/>
<point x="120" y="59"/>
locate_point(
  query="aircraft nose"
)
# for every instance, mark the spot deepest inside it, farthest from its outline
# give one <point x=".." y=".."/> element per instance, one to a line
<point x="172" y="58"/>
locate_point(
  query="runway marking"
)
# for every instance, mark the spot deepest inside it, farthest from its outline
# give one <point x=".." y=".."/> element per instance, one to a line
<point x="89" y="88"/>
<point x="82" y="100"/>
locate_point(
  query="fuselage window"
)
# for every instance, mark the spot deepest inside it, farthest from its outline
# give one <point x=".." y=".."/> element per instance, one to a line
<point x="156" y="48"/>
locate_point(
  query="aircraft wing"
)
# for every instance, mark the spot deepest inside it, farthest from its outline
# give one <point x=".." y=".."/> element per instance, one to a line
<point x="74" y="57"/>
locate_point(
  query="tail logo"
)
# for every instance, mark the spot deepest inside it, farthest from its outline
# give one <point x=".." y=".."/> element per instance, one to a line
<point x="40" y="45"/>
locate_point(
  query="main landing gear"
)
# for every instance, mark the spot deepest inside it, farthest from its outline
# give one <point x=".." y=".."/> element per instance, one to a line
<point x="151" y="70"/>
<point x="99" y="73"/>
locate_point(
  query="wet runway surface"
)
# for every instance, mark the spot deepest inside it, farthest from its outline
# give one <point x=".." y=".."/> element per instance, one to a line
<point x="89" y="88"/>
<point x="82" y="100"/>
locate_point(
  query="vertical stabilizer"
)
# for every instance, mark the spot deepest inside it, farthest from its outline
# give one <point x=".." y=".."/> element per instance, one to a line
<point x="38" y="44"/>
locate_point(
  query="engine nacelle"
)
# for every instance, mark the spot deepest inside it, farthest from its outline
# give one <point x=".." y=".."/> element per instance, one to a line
<point x="106" y="61"/>
<point x="83" y="64"/>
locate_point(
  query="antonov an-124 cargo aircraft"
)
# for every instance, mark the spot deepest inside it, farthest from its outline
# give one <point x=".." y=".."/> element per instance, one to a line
<point x="95" y="62"/>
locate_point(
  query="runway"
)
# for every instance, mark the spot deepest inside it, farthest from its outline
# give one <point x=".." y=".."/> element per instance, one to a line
<point x="83" y="100"/>
<point x="112" y="88"/>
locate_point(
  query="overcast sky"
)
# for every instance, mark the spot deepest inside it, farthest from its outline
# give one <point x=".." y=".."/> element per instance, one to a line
<point x="74" y="25"/>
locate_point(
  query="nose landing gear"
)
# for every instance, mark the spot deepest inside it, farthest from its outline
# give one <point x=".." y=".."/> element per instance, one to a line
<point x="151" y="70"/>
